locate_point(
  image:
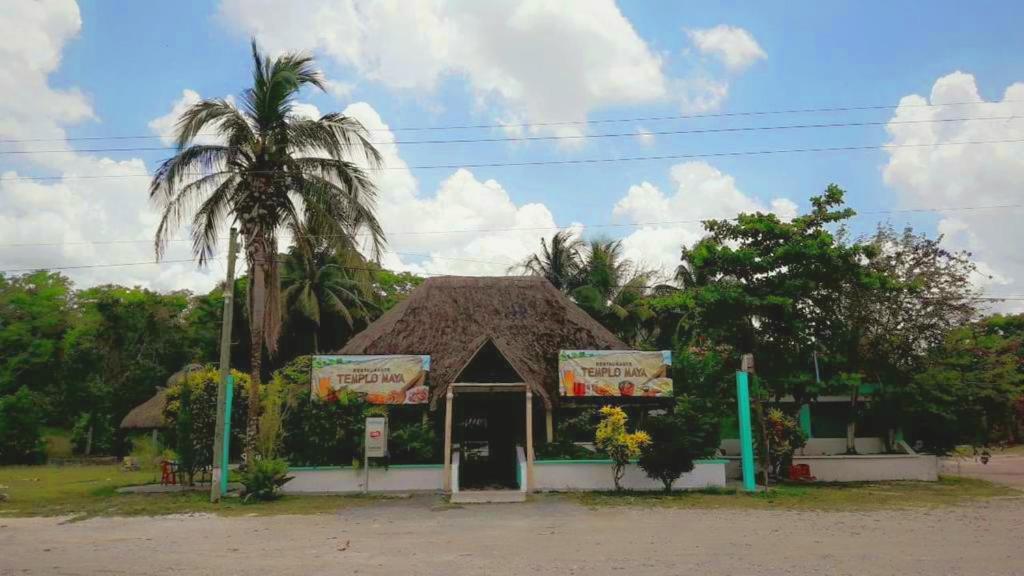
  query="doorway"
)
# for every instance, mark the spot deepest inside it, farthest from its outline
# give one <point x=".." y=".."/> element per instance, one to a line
<point x="489" y="426"/>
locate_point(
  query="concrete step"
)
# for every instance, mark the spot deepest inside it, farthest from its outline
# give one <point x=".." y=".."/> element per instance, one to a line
<point x="487" y="496"/>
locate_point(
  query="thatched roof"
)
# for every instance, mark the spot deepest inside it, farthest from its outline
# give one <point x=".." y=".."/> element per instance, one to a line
<point x="150" y="414"/>
<point x="451" y="318"/>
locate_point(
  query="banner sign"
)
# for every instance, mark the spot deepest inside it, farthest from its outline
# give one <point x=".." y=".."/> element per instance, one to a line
<point x="384" y="379"/>
<point x="615" y="373"/>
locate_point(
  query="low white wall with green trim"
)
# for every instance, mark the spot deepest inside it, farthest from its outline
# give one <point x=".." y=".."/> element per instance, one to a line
<point x="343" y="479"/>
<point x="872" y="467"/>
<point x="818" y="446"/>
<point x="584" y="475"/>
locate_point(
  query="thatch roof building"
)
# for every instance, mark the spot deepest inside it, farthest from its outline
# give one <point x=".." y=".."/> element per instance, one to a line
<point x="150" y="414"/>
<point x="468" y="325"/>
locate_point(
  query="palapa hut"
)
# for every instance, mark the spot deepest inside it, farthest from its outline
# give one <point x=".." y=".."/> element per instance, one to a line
<point x="149" y="416"/>
<point x="494" y="345"/>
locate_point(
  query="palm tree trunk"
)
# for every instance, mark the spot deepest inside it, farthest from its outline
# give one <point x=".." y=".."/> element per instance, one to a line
<point x="316" y="340"/>
<point x="257" y="304"/>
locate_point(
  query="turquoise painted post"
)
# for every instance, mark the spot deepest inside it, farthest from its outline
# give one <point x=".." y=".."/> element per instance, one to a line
<point x="746" y="433"/>
<point x="805" y="419"/>
<point x="229" y="389"/>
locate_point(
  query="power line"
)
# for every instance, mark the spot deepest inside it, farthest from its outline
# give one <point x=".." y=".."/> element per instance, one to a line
<point x="568" y="136"/>
<point x="577" y="161"/>
<point x="541" y="228"/>
<point x="529" y="125"/>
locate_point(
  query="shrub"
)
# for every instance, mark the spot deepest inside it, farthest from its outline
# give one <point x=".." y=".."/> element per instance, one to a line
<point x="21" y="433"/>
<point x="145" y="452"/>
<point x="191" y="414"/>
<point x="412" y="444"/>
<point x="784" y="438"/>
<point x="677" y="439"/>
<point x="621" y="446"/>
<point x="271" y="429"/>
<point x="569" y="429"/>
<point x="263" y="479"/>
<point x="102" y="434"/>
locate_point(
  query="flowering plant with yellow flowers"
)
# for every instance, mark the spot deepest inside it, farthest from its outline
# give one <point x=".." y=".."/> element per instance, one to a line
<point x="613" y="439"/>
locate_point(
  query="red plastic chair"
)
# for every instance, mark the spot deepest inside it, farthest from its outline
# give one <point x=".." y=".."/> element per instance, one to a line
<point x="800" y="473"/>
<point x="167" y="472"/>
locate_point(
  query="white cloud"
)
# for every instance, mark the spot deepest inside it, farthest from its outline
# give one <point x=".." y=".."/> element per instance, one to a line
<point x="644" y="136"/>
<point x="702" y="192"/>
<point x="536" y="60"/>
<point x="163" y="126"/>
<point x="461" y="202"/>
<point x="733" y="46"/>
<point x="967" y="175"/>
<point x="68" y="212"/>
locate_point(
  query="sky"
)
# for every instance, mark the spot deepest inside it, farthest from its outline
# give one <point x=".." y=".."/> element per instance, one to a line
<point x="673" y="98"/>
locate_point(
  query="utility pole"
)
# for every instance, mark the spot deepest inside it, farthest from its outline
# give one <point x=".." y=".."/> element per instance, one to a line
<point x="219" y="439"/>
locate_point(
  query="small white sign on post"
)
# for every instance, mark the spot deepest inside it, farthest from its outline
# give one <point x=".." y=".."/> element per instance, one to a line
<point x="375" y="445"/>
<point x="376" y="437"/>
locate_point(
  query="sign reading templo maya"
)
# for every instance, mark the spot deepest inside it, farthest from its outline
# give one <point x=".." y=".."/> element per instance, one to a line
<point x="615" y="373"/>
<point x="384" y="379"/>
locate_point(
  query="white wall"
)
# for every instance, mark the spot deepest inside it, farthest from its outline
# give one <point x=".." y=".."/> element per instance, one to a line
<point x="554" y="475"/>
<point x="340" y="480"/>
<point x="818" y="446"/>
<point x="871" y="468"/>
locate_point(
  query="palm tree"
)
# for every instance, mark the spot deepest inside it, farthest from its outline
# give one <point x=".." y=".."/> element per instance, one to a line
<point x="270" y="169"/>
<point x="614" y="290"/>
<point x="317" y="281"/>
<point x="560" y="261"/>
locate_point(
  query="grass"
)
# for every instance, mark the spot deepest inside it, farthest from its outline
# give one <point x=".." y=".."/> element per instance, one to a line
<point x="861" y="496"/>
<point x="86" y="491"/>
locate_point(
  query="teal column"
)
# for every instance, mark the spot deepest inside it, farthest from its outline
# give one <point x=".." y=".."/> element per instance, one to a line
<point x="229" y="390"/>
<point x="805" y="419"/>
<point x="746" y="433"/>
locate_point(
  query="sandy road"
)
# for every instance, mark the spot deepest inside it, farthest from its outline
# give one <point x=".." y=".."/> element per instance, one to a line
<point x="551" y="536"/>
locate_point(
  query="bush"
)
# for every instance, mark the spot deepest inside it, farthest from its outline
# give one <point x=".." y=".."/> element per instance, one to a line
<point x="191" y="415"/>
<point x="146" y="453"/>
<point x="412" y="444"/>
<point x="263" y="480"/>
<point x="21" y="432"/>
<point x="784" y="438"/>
<point x="569" y="429"/>
<point x="621" y="446"/>
<point x="677" y="439"/>
<point x="102" y="434"/>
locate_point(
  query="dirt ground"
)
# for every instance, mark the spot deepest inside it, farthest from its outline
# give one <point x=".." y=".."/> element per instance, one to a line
<point x="546" y="536"/>
<point x="1007" y="469"/>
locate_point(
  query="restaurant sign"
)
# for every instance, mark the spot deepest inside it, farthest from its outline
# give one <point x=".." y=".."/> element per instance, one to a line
<point x="398" y="379"/>
<point x="615" y="373"/>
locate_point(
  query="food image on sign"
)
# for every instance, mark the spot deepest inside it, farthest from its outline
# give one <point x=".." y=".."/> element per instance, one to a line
<point x="615" y="373"/>
<point x="384" y="379"/>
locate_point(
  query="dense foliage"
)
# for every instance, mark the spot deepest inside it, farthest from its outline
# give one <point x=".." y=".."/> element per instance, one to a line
<point x="687" y="433"/>
<point x="191" y="415"/>
<point x="264" y="479"/>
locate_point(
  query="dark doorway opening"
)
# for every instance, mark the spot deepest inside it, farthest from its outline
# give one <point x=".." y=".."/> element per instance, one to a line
<point x="490" y="426"/>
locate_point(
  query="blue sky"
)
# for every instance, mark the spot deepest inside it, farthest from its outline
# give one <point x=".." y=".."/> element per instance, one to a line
<point x="128" y="63"/>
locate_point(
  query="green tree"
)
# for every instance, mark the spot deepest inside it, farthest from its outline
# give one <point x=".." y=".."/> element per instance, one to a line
<point x="35" y="313"/>
<point x="769" y="287"/>
<point x="614" y="291"/>
<point x="124" y="343"/>
<point x="319" y="282"/>
<point x="560" y="261"/>
<point x="968" y="391"/>
<point x="21" y="436"/>
<point x="270" y="167"/>
<point x="393" y="287"/>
